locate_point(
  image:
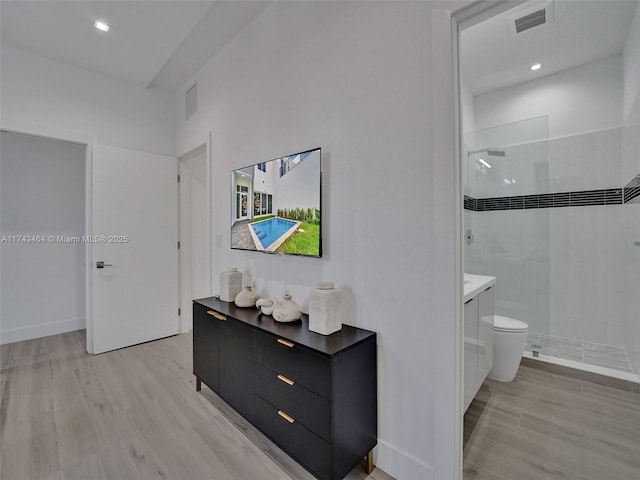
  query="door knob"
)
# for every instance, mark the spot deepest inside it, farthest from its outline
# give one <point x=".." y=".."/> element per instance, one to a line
<point x="101" y="264"/>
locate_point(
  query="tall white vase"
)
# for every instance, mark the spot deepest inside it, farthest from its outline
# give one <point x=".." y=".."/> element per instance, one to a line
<point x="325" y="309"/>
<point x="230" y="284"/>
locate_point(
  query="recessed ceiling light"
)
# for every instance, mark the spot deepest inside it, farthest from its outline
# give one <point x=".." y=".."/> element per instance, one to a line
<point x="535" y="66"/>
<point x="101" y="26"/>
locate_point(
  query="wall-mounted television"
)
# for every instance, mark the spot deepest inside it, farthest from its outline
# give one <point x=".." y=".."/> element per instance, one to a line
<point x="275" y="205"/>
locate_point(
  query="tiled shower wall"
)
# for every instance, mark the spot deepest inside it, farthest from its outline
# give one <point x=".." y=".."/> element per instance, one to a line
<point x="630" y="167"/>
<point x="569" y="269"/>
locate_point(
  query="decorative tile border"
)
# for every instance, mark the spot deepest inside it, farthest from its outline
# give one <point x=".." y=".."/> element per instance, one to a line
<point x="609" y="196"/>
<point x="612" y="196"/>
<point x="470" y="203"/>
<point x="632" y="190"/>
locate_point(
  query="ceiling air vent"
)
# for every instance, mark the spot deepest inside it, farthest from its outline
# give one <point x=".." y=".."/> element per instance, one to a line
<point x="538" y="14"/>
<point x="191" y="101"/>
<point x="532" y="20"/>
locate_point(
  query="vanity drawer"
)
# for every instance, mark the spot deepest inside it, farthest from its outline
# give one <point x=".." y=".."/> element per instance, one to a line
<point x="310" y="370"/>
<point x="310" y="409"/>
<point x="308" y="448"/>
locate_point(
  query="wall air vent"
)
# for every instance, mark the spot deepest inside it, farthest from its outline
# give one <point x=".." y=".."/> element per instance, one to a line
<point x="191" y="101"/>
<point x="541" y="13"/>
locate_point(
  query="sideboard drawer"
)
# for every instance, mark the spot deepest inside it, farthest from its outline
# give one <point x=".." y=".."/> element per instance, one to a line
<point x="310" y="409"/>
<point x="310" y="370"/>
<point x="309" y="449"/>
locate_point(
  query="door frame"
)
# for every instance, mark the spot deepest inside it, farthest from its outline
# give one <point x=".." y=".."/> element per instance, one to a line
<point x="240" y="196"/>
<point x="87" y="141"/>
<point x="26" y="128"/>
<point x="183" y="237"/>
<point x="461" y="19"/>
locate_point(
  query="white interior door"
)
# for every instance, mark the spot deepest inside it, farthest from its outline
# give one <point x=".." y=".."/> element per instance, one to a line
<point x="134" y="231"/>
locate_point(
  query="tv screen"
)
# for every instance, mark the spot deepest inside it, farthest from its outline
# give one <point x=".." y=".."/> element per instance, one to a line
<point x="275" y="206"/>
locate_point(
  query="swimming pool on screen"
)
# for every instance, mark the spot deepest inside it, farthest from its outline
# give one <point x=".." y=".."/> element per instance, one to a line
<point x="269" y="231"/>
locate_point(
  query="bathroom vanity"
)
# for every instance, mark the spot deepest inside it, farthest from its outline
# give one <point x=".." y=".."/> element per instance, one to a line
<point x="479" y="308"/>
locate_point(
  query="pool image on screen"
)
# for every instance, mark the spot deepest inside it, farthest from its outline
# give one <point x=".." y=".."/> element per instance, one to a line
<point x="275" y="205"/>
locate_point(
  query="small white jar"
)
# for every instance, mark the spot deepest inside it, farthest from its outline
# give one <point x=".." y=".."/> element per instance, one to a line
<point x="287" y="310"/>
<point x="230" y="284"/>
<point x="325" y="309"/>
<point x="247" y="297"/>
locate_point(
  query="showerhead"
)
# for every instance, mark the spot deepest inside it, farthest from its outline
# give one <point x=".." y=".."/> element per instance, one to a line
<point x="493" y="152"/>
<point x="496" y="153"/>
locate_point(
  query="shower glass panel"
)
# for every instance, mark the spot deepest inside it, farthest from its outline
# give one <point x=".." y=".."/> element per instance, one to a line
<point x="506" y="179"/>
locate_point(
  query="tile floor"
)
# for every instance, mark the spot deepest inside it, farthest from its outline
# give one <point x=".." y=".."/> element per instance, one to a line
<point x="606" y="356"/>
<point x="545" y="426"/>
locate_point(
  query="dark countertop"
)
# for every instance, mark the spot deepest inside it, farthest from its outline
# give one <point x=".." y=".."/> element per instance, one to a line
<point x="297" y="332"/>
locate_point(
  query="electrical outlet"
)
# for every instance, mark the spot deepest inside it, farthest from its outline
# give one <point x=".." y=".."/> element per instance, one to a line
<point x="218" y="240"/>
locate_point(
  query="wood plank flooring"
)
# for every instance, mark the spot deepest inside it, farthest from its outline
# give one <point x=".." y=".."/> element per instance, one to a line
<point x="131" y="414"/>
<point x="547" y="426"/>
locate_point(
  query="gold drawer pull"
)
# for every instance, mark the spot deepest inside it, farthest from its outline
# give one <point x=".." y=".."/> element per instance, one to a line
<point x="286" y="417"/>
<point x="286" y="380"/>
<point x="286" y="342"/>
<point x="216" y="315"/>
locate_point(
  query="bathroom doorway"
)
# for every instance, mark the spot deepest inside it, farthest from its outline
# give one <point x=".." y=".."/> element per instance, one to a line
<point x="549" y="139"/>
<point x="550" y="163"/>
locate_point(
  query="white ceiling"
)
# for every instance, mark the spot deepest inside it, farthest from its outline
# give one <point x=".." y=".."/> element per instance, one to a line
<point x="164" y="42"/>
<point x="151" y="43"/>
<point x="582" y="31"/>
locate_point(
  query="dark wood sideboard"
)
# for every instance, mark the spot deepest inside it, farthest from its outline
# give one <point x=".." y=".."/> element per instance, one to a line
<point x="313" y="395"/>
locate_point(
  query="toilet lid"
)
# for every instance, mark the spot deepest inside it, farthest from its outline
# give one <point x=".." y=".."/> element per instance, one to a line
<point x="506" y="324"/>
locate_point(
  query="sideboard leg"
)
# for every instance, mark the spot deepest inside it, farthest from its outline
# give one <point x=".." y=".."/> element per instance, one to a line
<point x="198" y="384"/>
<point x="368" y="465"/>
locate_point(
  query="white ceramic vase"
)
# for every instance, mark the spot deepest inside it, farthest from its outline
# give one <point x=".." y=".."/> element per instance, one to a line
<point x="230" y="284"/>
<point x="325" y="309"/>
<point x="247" y="297"/>
<point x="287" y="310"/>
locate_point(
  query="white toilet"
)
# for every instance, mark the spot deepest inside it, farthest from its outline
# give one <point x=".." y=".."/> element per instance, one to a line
<point x="509" y="337"/>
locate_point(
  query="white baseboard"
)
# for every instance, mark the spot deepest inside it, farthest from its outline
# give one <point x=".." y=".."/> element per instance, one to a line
<point x="41" y="330"/>
<point x="400" y="464"/>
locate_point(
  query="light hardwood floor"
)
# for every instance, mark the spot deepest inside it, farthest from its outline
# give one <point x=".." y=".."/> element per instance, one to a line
<point x="548" y="426"/>
<point x="131" y="414"/>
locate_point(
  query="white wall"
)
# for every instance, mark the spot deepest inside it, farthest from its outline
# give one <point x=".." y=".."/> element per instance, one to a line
<point x="467" y="106"/>
<point x="631" y="168"/>
<point x="578" y="100"/>
<point x="590" y="275"/>
<point x="300" y="186"/>
<point x="371" y="84"/>
<point x="45" y="97"/>
<point x="468" y="127"/>
<point x="265" y="181"/>
<point x="632" y="220"/>
<point x="631" y="58"/>
<point x="42" y="193"/>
